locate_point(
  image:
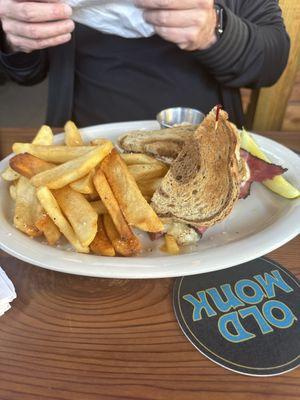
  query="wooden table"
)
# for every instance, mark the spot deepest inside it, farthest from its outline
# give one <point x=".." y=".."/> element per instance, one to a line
<point x="78" y="338"/>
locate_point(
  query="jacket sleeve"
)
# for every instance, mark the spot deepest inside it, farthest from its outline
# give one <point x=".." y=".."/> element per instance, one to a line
<point x="254" y="48"/>
<point x="25" y="69"/>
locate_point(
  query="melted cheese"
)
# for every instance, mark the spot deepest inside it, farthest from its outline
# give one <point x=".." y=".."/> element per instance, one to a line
<point x="183" y="234"/>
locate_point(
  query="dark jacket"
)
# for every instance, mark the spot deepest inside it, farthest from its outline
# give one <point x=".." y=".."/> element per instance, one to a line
<point x="252" y="52"/>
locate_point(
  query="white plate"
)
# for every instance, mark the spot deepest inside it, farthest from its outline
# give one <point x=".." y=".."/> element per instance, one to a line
<point x="257" y="225"/>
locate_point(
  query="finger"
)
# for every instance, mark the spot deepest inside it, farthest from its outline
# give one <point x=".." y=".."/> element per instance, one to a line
<point x="174" y="18"/>
<point x="38" y="12"/>
<point x="174" y="4"/>
<point x="27" y="45"/>
<point x="38" y="30"/>
<point x="178" y="35"/>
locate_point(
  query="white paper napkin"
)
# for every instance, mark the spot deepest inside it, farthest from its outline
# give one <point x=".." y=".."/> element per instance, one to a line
<point x="7" y="292"/>
<point x="117" y="17"/>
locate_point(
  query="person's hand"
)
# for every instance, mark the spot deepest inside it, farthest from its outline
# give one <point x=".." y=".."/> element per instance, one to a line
<point x="188" y="23"/>
<point x="30" y="25"/>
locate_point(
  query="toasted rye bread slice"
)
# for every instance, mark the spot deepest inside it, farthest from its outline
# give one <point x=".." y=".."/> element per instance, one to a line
<point x="203" y="182"/>
<point x="163" y="144"/>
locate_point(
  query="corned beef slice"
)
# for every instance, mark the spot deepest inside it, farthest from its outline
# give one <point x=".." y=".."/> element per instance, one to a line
<point x="260" y="170"/>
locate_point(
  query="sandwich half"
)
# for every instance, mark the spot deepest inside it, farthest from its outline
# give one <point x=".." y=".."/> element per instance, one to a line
<point x="203" y="183"/>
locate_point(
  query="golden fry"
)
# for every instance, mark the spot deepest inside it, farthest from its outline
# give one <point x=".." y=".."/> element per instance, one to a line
<point x="72" y="135"/>
<point x="49" y="229"/>
<point x="27" y="208"/>
<point x="44" y="136"/>
<point x="171" y="245"/>
<point x="28" y="165"/>
<point x="98" y="142"/>
<point x="147" y="171"/>
<point x="53" y="153"/>
<point x="111" y="204"/>
<point x="124" y="247"/>
<point x="139" y="158"/>
<point x="10" y="175"/>
<point x="79" y="212"/>
<point x="72" y="170"/>
<point x="135" y="208"/>
<point x="101" y="244"/>
<point x="85" y="185"/>
<point x="51" y="206"/>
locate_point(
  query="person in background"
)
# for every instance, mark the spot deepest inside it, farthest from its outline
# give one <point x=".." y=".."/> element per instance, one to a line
<point x="203" y="52"/>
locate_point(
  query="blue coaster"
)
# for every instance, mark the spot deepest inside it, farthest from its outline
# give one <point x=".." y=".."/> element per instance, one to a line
<point x="244" y="318"/>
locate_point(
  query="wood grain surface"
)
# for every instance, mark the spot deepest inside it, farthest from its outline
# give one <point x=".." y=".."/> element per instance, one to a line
<point x="78" y="338"/>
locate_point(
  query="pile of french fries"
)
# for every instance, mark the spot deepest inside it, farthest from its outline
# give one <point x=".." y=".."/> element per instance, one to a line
<point x="89" y="193"/>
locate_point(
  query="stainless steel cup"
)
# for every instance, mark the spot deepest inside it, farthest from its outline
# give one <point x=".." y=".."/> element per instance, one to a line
<point x="179" y="116"/>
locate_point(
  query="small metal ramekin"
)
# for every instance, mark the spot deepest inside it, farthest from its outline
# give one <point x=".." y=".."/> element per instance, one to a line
<point x="179" y="116"/>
